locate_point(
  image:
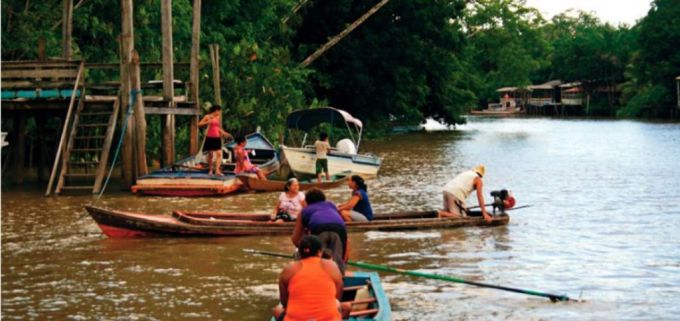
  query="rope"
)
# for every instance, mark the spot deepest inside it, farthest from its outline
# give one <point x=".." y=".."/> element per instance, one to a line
<point x="133" y="98"/>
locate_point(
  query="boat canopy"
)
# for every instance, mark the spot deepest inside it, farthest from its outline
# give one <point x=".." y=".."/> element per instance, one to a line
<point x="306" y="119"/>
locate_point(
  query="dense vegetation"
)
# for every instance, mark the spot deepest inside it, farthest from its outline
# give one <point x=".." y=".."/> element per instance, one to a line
<point x="413" y="59"/>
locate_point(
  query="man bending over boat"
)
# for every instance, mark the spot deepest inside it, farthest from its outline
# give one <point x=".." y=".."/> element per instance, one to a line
<point x="311" y="288"/>
<point x="321" y="218"/>
<point x="459" y="188"/>
<point x="243" y="164"/>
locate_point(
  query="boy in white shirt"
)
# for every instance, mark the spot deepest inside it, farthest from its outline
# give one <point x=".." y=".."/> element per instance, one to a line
<point x="322" y="148"/>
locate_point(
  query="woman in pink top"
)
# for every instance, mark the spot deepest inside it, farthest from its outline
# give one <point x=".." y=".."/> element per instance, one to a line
<point x="290" y="202"/>
<point x="213" y="139"/>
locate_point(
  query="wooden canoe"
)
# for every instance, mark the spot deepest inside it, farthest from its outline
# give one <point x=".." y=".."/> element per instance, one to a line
<point x="116" y="223"/>
<point x="251" y="182"/>
<point x="374" y="306"/>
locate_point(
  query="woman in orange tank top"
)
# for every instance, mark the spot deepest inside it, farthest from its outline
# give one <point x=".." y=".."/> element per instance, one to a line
<point x="310" y="289"/>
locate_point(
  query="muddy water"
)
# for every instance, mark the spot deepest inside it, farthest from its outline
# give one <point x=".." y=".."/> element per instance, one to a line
<point x="603" y="226"/>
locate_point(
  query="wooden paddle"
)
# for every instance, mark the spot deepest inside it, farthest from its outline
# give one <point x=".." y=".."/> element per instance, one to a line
<point x="384" y="268"/>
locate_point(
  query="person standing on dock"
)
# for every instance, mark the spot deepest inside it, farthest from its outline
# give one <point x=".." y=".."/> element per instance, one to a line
<point x="213" y="139"/>
<point x="321" y="218"/>
<point x="311" y="288"/>
<point x="457" y="190"/>
<point x="322" y="148"/>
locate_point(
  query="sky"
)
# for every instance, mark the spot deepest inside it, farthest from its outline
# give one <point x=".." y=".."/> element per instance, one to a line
<point x="612" y="11"/>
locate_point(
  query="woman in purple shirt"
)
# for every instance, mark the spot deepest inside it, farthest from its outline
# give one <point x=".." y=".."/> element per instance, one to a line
<point x="321" y="218"/>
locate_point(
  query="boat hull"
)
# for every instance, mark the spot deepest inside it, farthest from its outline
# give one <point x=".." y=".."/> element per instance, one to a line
<point x="251" y="182"/>
<point x="302" y="162"/>
<point x="189" y="177"/>
<point x="237" y="224"/>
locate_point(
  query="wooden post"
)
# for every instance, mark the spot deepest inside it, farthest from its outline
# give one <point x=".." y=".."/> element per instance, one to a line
<point x="67" y="29"/>
<point x="342" y="34"/>
<point x="215" y="60"/>
<point x="140" y="118"/>
<point x="127" y="45"/>
<point x="41" y="123"/>
<point x="41" y="49"/>
<point x="19" y="147"/>
<point x="167" y="121"/>
<point x="194" y="71"/>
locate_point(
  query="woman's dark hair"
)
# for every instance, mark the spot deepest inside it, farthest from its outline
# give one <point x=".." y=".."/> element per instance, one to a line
<point x="240" y="139"/>
<point x="359" y="181"/>
<point x="215" y="108"/>
<point x="323" y="136"/>
<point x="314" y="195"/>
<point x="290" y="182"/>
<point x="310" y="245"/>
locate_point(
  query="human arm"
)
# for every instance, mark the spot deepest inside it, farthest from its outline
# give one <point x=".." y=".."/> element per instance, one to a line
<point x="225" y="133"/>
<point x="206" y="119"/>
<point x="276" y="209"/>
<point x="332" y="269"/>
<point x="349" y="205"/>
<point x="284" y="279"/>
<point x="479" y="187"/>
<point x="298" y="231"/>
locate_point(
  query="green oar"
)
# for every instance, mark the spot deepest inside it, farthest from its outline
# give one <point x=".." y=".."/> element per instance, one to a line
<point x="384" y="268"/>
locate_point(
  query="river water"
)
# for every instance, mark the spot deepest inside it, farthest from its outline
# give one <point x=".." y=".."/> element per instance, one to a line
<point x="603" y="226"/>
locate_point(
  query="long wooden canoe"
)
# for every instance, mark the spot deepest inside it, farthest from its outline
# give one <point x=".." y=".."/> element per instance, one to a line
<point x="251" y="182"/>
<point x="365" y="294"/>
<point x="116" y="223"/>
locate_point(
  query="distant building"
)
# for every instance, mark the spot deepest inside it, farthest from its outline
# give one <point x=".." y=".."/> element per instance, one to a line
<point x="572" y="94"/>
<point x="546" y="94"/>
<point x="677" y="86"/>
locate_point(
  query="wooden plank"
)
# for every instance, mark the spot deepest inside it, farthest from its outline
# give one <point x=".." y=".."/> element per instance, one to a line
<point x="104" y="157"/>
<point x="127" y="46"/>
<point x="173" y="111"/>
<point x="19" y="148"/>
<point x="39" y="73"/>
<point x="65" y="129"/>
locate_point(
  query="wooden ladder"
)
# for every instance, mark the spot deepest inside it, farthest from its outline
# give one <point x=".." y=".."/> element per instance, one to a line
<point x="85" y="159"/>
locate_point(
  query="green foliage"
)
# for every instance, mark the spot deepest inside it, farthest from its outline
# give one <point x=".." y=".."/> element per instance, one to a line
<point x="644" y="101"/>
<point x="657" y="60"/>
<point x="402" y="62"/>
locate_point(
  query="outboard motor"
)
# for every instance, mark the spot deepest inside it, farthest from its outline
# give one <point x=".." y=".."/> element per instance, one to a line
<point x="502" y="200"/>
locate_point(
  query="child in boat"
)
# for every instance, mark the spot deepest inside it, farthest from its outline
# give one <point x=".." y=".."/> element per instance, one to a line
<point x="243" y="164"/>
<point x="290" y="203"/>
<point x="311" y="288"/>
<point x="322" y="148"/>
<point x="213" y="139"/>
<point x="358" y="207"/>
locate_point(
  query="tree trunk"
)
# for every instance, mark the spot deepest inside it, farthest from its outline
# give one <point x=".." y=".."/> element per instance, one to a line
<point x="342" y="34"/>
<point x="127" y="45"/>
<point x="140" y="119"/>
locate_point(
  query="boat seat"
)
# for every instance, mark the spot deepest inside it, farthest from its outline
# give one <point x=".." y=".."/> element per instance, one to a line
<point x="364" y="313"/>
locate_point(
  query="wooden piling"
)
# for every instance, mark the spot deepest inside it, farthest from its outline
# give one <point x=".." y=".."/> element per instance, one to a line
<point x="140" y="117"/>
<point x="19" y="147"/>
<point x="67" y="29"/>
<point x="215" y="61"/>
<point x="127" y="45"/>
<point x="194" y="75"/>
<point x="167" y="121"/>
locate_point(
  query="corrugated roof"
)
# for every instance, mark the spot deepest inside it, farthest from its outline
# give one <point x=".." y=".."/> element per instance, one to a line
<point x="548" y="85"/>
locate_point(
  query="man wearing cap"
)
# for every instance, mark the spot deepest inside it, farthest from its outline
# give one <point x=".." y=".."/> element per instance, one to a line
<point x="459" y="188"/>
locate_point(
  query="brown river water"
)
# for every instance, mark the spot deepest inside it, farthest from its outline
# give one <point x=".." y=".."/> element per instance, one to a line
<point x="604" y="226"/>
